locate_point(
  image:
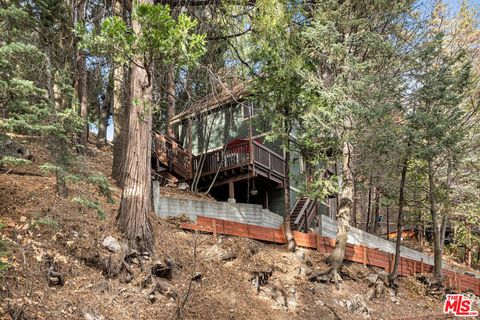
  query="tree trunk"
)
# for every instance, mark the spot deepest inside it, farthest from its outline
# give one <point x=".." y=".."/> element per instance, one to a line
<point x="291" y="244"/>
<point x="388" y="221"/>
<point x="343" y="216"/>
<point x="437" y="245"/>
<point x="468" y="247"/>
<point x="377" y="211"/>
<point x="57" y="146"/>
<point x="443" y="228"/>
<point x="369" y="208"/>
<point x="354" y="205"/>
<point x="119" y="110"/>
<point x="82" y="83"/>
<point x="135" y="204"/>
<point x="170" y="90"/>
<point x="401" y="202"/>
<point x="102" y="124"/>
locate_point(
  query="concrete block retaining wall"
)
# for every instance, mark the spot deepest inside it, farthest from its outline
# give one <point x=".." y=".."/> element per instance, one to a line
<point x="239" y="212"/>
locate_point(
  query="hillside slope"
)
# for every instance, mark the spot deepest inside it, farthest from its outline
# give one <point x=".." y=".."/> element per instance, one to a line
<point x="43" y="233"/>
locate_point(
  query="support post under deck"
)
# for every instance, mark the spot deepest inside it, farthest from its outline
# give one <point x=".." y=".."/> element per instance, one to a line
<point x="231" y="192"/>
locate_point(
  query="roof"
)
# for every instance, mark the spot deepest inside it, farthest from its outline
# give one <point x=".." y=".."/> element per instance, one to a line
<point x="236" y="94"/>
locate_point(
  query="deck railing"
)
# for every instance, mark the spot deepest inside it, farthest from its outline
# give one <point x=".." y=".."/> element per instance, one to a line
<point x="268" y="159"/>
<point x="233" y="156"/>
<point x="238" y="155"/>
<point x="171" y="154"/>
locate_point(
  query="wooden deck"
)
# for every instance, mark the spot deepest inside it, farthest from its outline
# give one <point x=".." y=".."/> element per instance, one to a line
<point x="240" y="158"/>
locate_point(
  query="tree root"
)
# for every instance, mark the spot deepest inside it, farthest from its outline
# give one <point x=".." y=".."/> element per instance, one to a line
<point x="330" y="276"/>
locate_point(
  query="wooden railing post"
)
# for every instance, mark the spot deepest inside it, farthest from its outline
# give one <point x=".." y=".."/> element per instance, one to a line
<point x="214" y="225"/>
<point x="364" y="256"/>
<point x="387" y="264"/>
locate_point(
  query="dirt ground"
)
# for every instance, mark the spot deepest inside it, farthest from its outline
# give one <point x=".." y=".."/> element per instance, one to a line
<point x="211" y="278"/>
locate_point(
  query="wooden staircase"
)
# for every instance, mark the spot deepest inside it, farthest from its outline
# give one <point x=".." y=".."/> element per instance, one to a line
<point x="303" y="214"/>
<point x="171" y="157"/>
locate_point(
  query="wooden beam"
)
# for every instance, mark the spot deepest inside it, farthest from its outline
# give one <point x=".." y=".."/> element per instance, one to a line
<point x="231" y="179"/>
<point x="231" y="190"/>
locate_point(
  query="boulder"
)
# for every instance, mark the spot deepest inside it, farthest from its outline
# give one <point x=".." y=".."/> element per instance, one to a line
<point x="111" y="244"/>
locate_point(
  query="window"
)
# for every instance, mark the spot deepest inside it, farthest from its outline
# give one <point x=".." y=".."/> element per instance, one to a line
<point x="248" y="110"/>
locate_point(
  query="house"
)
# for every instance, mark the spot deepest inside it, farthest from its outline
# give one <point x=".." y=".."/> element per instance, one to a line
<point x="221" y="146"/>
<point x="407" y="233"/>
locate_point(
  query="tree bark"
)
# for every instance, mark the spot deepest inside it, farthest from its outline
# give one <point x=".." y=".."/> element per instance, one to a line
<point x="291" y="244"/>
<point x="103" y="115"/>
<point x="170" y="90"/>
<point x="469" y="246"/>
<point x="135" y="204"/>
<point x="388" y="221"/>
<point x="401" y="202"/>
<point x="119" y="109"/>
<point x="437" y="245"/>
<point x="354" y="205"/>
<point x="369" y="208"/>
<point x="343" y="215"/>
<point x="446" y="210"/>
<point x="58" y="147"/>
<point x="82" y="83"/>
<point x="377" y="211"/>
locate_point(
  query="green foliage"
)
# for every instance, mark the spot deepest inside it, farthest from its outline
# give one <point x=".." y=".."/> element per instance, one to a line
<point x="4" y="253"/>
<point x="51" y="167"/>
<point x="46" y="221"/>
<point x="101" y="182"/>
<point x="161" y="38"/>
<point x="9" y="160"/>
<point x="91" y="204"/>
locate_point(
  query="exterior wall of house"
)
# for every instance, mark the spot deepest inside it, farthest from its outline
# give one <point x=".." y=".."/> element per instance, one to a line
<point x="226" y="124"/>
<point x="232" y="122"/>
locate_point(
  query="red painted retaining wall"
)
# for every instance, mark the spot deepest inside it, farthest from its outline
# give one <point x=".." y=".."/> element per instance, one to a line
<point x="360" y="254"/>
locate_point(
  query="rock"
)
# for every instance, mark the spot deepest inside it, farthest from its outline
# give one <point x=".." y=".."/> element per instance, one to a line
<point x="197" y="276"/>
<point x="370" y="295"/>
<point x="300" y="254"/>
<point x="394" y="298"/>
<point x="281" y="267"/>
<point x="379" y="289"/>
<point x="372" y="279"/>
<point x="111" y="244"/>
<point x="183" y="186"/>
<point x="165" y="288"/>
<point x="306" y="271"/>
<point x="151" y="297"/>
<point x="320" y="277"/>
<point x="320" y="303"/>
<point x="356" y="305"/>
<point x="291" y="300"/>
<point x="229" y="256"/>
<point x="162" y="270"/>
<point x="383" y="276"/>
<point x="260" y="278"/>
<point x="90" y="316"/>
<point x="425" y="280"/>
